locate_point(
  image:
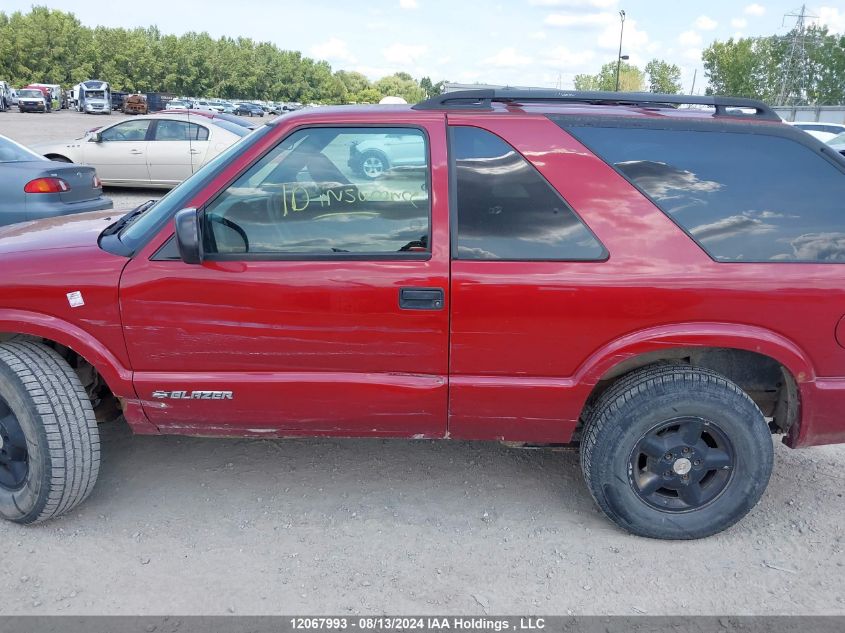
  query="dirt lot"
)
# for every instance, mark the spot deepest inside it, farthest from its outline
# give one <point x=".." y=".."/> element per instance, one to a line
<point x="197" y="526"/>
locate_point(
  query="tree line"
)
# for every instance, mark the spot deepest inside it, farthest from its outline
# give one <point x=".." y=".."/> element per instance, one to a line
<point x="795" y="69"/>
<point x="54" y="47"/>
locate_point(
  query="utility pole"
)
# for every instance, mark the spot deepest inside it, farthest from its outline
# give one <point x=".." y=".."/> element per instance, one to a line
<point x="796" y="61"/>
<point x="619" y="56"/>
<point x="694" y="75"/>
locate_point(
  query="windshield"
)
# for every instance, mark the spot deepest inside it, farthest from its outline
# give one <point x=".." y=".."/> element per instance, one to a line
<point x="234" y="128"/>
<point x="11" y="152"/>
<point x="134" y="233"/>
<point x="95" y="94"/>
<point x="839" y="139"/>
<point x="30" y="93"/>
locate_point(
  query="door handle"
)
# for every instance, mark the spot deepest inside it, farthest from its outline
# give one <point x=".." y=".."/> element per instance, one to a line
<point x="195" y="151"/>
<point x="135" y="151"/>
<point x="421" y="298"/>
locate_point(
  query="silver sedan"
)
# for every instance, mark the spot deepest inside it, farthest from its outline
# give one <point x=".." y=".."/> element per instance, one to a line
<point x="147" y="151"/>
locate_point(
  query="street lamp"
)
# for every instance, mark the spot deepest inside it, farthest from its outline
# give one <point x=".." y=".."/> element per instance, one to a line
<point x="619" y="57"/>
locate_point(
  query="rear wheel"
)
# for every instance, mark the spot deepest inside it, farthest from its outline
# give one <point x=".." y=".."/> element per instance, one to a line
<point x="676" y="452"/>
<point x="49" y="442"/>
<point x="373" y="164"/>
<point x="60" y="159"/>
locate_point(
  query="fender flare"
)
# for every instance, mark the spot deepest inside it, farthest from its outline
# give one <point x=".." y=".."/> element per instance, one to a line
<point x="117" y="377"/>
<point x="697" y="334"/>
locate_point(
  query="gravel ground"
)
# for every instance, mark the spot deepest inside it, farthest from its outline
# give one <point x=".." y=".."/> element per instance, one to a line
<point x="204" y="526"/>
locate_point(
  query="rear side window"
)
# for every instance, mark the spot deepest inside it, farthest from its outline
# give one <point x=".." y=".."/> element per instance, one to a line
<point x="507" y="210"/>
<point x="741" y="197"/>
<point x="171" y="130"/>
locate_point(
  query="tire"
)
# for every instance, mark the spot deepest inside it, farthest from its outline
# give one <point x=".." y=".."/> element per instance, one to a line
<point x="676" y="452"/>
<point x="372" y="164"/>
<point x="47" y="424"/>
<point x="60" y="159"/>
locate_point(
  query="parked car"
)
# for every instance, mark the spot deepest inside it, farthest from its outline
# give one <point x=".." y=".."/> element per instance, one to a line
<point x="248" y="109"/>
<point x="205" y="105"/>
<point x="373" y="156"/>
<point x="822" y="131"/>
<point x="158" y="150"/>
<point x="32" y="100"/>
<point x="217" y="117"/>
<point x="838" y="143"/>
<point x="178" y="104"/>
<point x="32" y="188"/>
<point x="14" y="97"/>
<point x="650" y="285"/>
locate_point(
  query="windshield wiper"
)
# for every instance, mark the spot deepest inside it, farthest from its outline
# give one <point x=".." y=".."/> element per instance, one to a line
<point x="126" y="219"/>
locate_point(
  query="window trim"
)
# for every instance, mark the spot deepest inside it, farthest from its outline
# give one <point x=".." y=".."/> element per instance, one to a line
<point x="453" y="206"/>
<point x="788" y="133"/>
<point x="151" y="137"/>
<point x="375" y="256"/>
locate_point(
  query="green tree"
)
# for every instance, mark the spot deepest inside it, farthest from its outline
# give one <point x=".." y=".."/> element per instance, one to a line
<point x="663" y="77"/>
<point x="400" y="85"/>
<point x="631" y="78"/>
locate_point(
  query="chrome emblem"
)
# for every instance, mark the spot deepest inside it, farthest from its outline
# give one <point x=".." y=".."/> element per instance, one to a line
<point x="192" y="395"/>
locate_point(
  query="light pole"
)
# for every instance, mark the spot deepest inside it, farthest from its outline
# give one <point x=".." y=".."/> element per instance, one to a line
<point x="619" y="56"/>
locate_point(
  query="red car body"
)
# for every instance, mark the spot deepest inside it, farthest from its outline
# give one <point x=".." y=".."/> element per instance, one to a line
<point x="322" y="347"/>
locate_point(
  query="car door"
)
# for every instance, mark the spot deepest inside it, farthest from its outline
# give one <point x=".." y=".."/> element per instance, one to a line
<point x="119" y="152"/>
<point x="176" y="149"/>
<point x="321" y="305"/>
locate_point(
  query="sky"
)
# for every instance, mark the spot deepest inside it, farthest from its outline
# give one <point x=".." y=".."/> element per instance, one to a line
<point x="515" y="42"/>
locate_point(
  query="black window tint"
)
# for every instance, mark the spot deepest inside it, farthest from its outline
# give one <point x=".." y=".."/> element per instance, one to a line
<point x="507" y="210"/>
<point x="741" y="197"/>
<point x="328" y="190"/>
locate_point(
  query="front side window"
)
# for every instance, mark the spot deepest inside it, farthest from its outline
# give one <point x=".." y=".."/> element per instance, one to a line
<point x="320" y="192"/>
<point x="741" y="197"/>
<point x="128" y="131"/>
<point x="507" y="210"/>
<point x="169" y="130"/>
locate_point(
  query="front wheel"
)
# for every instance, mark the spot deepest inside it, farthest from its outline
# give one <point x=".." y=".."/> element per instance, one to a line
<point x="372" y="164"/>
<point x="676" y="452"/>
<point x="49" y="442"/>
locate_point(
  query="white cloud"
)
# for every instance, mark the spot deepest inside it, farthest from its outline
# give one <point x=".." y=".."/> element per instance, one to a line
<point x="832" y="18"/>
<point x="507" y="58"/>
<point x="581" y="19"/>
<point x="334" y="49"/>
<point x="408" y="4"/>
<point x="562" y="57"/>
<point x="755" y="9"/>
<point x="575" y="4"/>
<point x="693" y="54"/>
<point x="403" y="53"/>
<point x="690" y="38"/>
<point x="633" y="40"/>
<point x="705" y="23"/>
<point x="537" y="35"/>
<point x="739" y="23"/>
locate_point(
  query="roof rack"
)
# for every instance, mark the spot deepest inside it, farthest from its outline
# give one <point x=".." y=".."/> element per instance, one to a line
<point x="483" y="98"/>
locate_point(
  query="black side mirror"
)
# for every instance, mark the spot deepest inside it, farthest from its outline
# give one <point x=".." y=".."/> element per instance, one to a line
<point x="188" y="236"/>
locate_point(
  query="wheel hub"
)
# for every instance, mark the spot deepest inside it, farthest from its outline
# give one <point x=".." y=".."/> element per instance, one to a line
<point x="682" y="464"/>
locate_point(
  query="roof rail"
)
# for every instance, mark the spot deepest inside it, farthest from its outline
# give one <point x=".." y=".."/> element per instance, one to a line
<point x="483" y="98"/>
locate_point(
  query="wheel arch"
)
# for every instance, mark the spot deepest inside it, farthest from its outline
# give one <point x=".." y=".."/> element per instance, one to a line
<point x="54" y="330"/>
<point x="770" y="368"/>
<point x="58" y="157"/>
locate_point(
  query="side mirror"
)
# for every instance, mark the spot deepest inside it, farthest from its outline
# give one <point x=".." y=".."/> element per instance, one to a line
<point x="188" y="236"/>
<point x="96" y="137"/>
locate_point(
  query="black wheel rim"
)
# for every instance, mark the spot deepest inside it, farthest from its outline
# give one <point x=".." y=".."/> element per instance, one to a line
<point x="682" y="464"/>
<point x="14" y="458"/>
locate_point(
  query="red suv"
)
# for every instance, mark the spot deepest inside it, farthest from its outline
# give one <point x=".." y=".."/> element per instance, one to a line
<point x="660" y="285"/>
